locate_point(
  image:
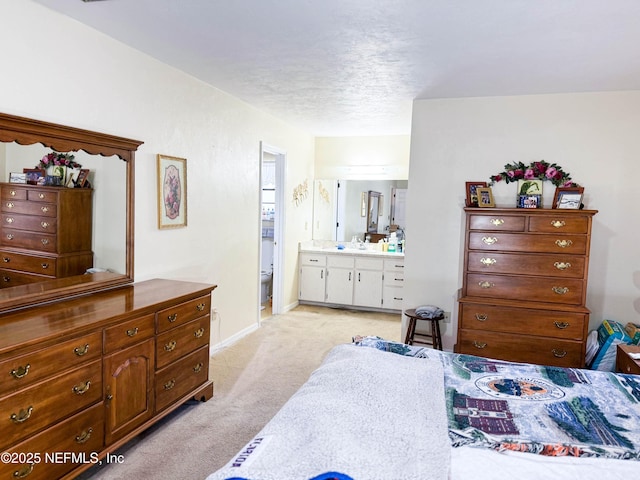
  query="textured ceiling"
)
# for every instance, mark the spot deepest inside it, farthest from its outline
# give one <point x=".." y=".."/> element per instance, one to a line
<point x="353" y="67"/>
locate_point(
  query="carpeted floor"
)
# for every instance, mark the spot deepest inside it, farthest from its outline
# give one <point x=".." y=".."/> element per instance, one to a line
<point x="252" y="379"/>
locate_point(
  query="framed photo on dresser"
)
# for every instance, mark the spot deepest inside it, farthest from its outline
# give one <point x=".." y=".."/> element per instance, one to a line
<point x="485" y="197"/>
<point x="472" y="193"/>
<point x="568" y="197"/>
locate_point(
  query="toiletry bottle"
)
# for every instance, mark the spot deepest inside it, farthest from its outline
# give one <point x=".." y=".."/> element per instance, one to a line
<point x="393" y="242"/>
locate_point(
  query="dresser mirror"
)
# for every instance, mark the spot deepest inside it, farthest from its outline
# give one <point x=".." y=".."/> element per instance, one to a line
<point x="111" y="161"/>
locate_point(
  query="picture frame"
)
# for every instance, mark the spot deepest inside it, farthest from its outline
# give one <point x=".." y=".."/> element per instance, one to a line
<point x="471" y="193"/>
<point x="83" y="177"/>
<point x="568" y="198"/>
<point x="35" y="176"/>
<point x="172" y="192"/>
<point x="15" y="177"/>
<point x="529" y="187"/>
<point x="485" y="197"/>
<point x="529" y="201"/>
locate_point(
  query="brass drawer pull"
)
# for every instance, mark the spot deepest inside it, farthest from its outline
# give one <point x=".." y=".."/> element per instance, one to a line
<point x="6" y="279"/>
<point x="82" y="388"/>
<point x="80" y="351"/>
<point x="10" y="236"/>
<point x="25" y="472"/>
<point x="21" y="371"/>
<point x="564" y="243"/>
<point x="171" y="346"/>
<point x="486" y="284"/>
<point x="10" y="220"/>
<point x="481" y="317"/>
<point x="557" y="223"/>
<point x="44" y="209"/>
<point x="13" y="193"/>
<point x="496" y="222"/>
<point x="6" y="259"/>
<point x="172" y="318"/>
<point x="198" y="333"/>
<point x="200" y="307"/>
<point x="84" y="436"/>
<point x="479" y="344"/>
<point x="44" y="241"/>
<point x="488" y="261"/>
<point x="559" y="353"/>
<point x="45" y="224"/>
<point x="561" y="325"/>
<point x="170" y="384"/>
<point x="10" y="205"/>
<point x="132" y="332"/>
<point x="489" y="240"/>
<point x="41" y="196"/>
<point x="560" y="290"/>
<point x="562" y="265"/>
<point x="21" y="416"/>
<point x="198" y="367"/>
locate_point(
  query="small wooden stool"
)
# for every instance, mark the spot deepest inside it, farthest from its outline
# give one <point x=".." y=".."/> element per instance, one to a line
<point x="436" y="338"/>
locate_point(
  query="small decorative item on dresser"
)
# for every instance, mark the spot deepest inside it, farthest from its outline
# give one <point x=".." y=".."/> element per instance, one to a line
<point x="83" y="178"/>
<point x="485" y="197"/>
<point x="529" y="201"/>
<point x="15" y="177"/>
<point x="472" y="194"/>
<point x="35" y="176"/>
<point x="568" y="197"/>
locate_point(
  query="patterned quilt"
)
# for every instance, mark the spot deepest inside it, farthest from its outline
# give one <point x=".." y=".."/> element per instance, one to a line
<point x="532" y="408"/>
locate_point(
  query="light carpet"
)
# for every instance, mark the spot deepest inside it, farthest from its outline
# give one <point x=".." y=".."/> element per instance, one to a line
<point x="252" y="378"/>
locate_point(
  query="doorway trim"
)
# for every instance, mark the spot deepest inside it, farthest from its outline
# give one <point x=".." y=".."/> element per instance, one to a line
<point x="278" y="228"/>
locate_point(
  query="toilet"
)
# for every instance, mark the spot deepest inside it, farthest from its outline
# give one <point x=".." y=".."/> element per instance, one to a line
<point x="265" y="286"/>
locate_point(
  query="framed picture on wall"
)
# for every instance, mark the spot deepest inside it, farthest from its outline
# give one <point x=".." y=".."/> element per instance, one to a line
<point x="485" y="197"/>
<point x="472" y="194"/>
<point x="172" y="192"/>
<point x="568" y="197"/>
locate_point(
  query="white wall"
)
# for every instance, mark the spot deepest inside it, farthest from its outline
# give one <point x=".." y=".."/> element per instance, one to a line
<point x="62" y="71"/>
<point x="593" y="136"/>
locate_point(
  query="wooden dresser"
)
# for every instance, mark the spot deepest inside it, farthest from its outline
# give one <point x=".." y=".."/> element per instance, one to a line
<point x="83" y="376"/>
<point x="524" y="285"/>
<point x="46" y="232"/>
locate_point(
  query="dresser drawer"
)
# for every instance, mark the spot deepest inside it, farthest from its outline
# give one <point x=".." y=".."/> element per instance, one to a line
<point x="177" y="315"/>
<point x="181" y="377"/>
<point x="13" y="193"/>
<point x="28" y="263"/>
<point x="497" y="222"/>
<point x="10" y="278"/>
<point x="128" y="333"/>
<point x="27" y="369"/>
<point x="624" y="363"/>
<point x="42" y="242"/>
<point x="543" y="323"/>
<point x="541" y="265"/>
<point x="29" y="208"/>
<point x="38" y="195"/>
<point x="528" y="243"/>
<point x="42" y="404"/>
<point x="33" y="223"/>
<point x="559" y="224"/>
<point x="181" y="340"/>
<point x="539" y="289"/>
<point x="521" y="348"/>
<point x="81" y="434"/>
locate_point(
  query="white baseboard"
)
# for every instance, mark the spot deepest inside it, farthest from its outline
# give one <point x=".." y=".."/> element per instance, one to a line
<point x="233" y="339"/>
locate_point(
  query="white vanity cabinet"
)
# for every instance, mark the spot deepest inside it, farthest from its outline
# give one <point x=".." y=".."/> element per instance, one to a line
<point x="367" y="289"/>
<point x="312" y="277"/>
<point x="393" y="283"/>
<point x="340" y="275"/>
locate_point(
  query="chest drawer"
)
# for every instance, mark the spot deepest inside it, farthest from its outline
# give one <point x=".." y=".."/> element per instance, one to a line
<point x="181" y="377"/>
<point x="521" y="348"/>
<point x="567" y="291"/>
<point x="29" y="208"/>
<point x="28" y="263"/>
<point x="25" y="370"/>
<point x="528" y="243"/>
<point x="42" y="404"/>
<point x="183" y="313"/>
<point x="175" y="343"/>
<point x="505" y="223"/>
<point x="129" y="333"/>
<point x="82" y="433"/>
<point x="30" y="222"/>
<point x="522" y="321"/>
<point x="559" y="224"/>
<point x="43" y="242"/>
<point x="519" y="264"/>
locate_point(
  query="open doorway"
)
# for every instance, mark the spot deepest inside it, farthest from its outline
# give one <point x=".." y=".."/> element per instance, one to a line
<point x="271" y="210"/>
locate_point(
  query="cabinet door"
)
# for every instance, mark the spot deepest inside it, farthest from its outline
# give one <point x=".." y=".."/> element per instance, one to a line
<point x="129" y="389"/>
<point x="340" y="286"/>
<point x="367" y="290"/>
<point x="312" y="283"/>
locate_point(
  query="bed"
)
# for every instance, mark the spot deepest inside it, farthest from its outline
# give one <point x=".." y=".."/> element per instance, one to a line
<point x="377" y="409"/>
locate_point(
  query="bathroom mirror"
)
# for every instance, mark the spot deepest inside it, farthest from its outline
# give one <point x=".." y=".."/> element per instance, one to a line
<point x="104" y="148"/>
<point x="373" y="211"/>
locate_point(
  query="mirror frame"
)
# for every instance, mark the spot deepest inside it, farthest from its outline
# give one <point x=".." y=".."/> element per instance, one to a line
<point x="26" y="131"/>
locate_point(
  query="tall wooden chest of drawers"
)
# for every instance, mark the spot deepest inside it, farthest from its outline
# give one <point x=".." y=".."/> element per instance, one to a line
<point x="525" y="284"/>
<point x="45" y="233"/>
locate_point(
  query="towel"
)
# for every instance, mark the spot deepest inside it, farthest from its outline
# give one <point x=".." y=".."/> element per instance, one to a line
<point x="429" y="311"/>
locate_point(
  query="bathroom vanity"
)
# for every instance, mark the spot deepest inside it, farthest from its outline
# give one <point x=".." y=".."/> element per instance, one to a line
<point x="366" y="279"/>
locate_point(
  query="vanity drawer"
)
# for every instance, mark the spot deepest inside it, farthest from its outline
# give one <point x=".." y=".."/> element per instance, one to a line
<point x="181" y="377"/>
<point x="393" y="265"/>
<point x="364" y="263"/>
<point x="181" y="340"/>
<point x="82" y="433"/>
<point x="29" y="208"/>
<point x="24" y="370"/>
<point x="42" y="242"/>
<point x="528" y="243"/>
<point x="340" y="261"/>
<point x="567" y="291"/>
<point x="129" y="333"/>
<point x="32" y="223"/>
<point x="517" y="263"/>
<point x="42" y="404"/>
<point x="559" y="224"/>
<point x="497" y="222"/>
<point x="28" y="263"/>
<point x="180" y="314"/>
<point x="315" y="259"/>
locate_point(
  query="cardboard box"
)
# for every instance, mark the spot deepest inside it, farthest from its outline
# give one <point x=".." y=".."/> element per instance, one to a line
<point x="633" y="331"/>
<point x="610" y="334"/>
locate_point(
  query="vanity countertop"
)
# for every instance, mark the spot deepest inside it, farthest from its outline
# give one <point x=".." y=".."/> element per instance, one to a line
<point x="371" y="249"/>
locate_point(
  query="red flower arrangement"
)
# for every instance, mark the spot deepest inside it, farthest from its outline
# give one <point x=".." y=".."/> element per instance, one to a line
<point x="539" y="170"/>
<point x="58" y="159"/>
